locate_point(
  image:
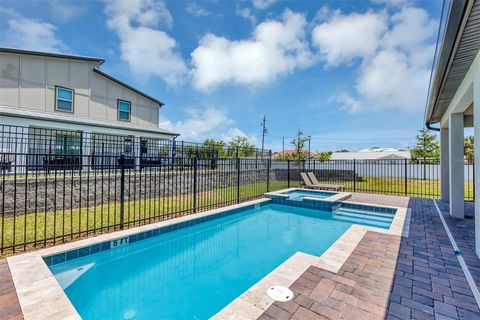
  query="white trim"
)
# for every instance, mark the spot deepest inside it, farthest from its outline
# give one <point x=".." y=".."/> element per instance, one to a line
<point x="458" y="254"/>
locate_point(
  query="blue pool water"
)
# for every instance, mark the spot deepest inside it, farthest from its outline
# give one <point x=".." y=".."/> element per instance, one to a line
<point x="300" y="194"/>
<point x="192" y="273"/>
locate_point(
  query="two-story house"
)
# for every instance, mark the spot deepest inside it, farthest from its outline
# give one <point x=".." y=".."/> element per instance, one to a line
<point x="58" y="104"/>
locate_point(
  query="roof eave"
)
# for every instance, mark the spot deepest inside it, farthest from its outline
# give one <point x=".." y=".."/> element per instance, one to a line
<point x="100" y="61"/>
<point x="103" y="74"/>
<point x="451" y="36"/>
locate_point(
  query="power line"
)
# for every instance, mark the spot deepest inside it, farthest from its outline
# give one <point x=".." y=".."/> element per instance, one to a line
<point x="347" y="139"/>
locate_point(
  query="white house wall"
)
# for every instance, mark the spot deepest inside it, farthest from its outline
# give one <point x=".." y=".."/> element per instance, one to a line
<point x="29" y="82"/>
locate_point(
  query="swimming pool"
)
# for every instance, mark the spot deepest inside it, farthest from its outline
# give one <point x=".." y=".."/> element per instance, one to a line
<point x="300" y="194"/>
<point x="192" y="273"/>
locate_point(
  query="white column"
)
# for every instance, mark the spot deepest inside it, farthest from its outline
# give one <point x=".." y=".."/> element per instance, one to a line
<point x="444" y="165"/>
<point x="456" y="163"/>
<point x="476" y="134"/>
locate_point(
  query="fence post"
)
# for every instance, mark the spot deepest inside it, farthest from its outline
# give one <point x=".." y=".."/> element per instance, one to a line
<point x="195" y="184"/>
<point x="288" y="173"/>
<point x="122" y="190"/>
<point x="354" y="175"/>
<point x="238" y="180"/>
<point x="268" y="174"/>
<point x="406" y="176"/>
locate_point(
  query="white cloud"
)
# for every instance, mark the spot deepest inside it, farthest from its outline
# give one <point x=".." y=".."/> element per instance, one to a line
<point x="343" y="38"/>
<point x="198" y="123"/>
<point x="31" y="34"/>
<point x="395" y="66"/>
<point x="247" y="14"/>
<point x="196" y="10"/>
<point x="347" y="102"/>
<point x="412" y="27"/>
<point x="277" y="47"/>
<point x="389" y="81"/>
<point x="65" y="11"/>
<point x="202" y="123"/>
<point x="136" y="23"/>
<point x="263" y="4"/>
<point x="393" y="3"/>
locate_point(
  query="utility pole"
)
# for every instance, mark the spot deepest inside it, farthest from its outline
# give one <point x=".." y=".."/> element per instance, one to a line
<point x="283" y="146"/>
<point x="264" y="132"/>
<point x="309" y="151"/>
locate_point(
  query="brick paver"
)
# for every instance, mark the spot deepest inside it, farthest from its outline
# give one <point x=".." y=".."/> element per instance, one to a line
<point x="392" y="277"/>
<point x="9" y="306"/>
<point x="386" y="276"/>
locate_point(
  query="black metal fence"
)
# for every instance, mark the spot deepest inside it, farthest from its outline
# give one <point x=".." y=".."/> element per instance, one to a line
<point x="43" y="207"/>
<point x="35" y="148"/>
<point x="57" y="186"/>
<point x="395" y="177"/>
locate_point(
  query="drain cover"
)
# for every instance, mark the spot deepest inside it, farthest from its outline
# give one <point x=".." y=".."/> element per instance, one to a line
<point x="279" y="293"/>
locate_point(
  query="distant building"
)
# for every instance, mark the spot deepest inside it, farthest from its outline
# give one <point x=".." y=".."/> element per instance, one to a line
<point x="372" y="154"/>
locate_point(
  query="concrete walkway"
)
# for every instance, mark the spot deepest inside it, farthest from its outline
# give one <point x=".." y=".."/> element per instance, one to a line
<point x="414" y="277"/>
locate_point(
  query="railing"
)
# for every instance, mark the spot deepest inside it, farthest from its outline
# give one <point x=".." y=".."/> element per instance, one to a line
<point x="41" y="208"/>
<point x="55" y="200"/>
<point x="395" y="177"/>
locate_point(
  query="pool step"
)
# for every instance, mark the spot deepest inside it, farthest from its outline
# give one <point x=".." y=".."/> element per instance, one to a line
<point x="363" y="214"/>
<point x="363" y="221"/>
<point x="372" y="213"/>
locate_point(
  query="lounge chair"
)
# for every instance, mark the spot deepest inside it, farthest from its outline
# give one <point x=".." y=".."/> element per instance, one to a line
<point x="310" y="181"/>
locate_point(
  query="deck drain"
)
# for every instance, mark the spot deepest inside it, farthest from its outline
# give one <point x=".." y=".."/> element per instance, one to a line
<point x="279" y="293"/>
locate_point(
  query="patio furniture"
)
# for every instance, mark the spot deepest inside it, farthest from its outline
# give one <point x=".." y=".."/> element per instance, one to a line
<point x="311" y="182"/>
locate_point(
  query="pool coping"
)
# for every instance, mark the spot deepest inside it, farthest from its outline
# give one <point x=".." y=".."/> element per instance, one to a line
<point x="41" y="296"/>
<point x="255" y="301"/>
<point x="335" y="197"/>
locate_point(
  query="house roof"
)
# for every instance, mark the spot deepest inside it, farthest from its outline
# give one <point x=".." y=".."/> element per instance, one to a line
<point x="52" y="55"/>
<point x="103" y="74"/>
<point x="67" y="118"/>
<point x="375" y="155"/>
<point x="99" y="62"/>
<point x="457" y="46"/>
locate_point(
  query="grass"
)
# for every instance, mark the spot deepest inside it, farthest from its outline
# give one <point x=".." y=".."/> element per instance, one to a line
<point x="428" y="188"/>
<point x="73" y="223"/>
<point x="64" y="225"/>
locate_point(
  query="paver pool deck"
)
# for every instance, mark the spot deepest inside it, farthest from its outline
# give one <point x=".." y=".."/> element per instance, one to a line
<point x="386" y="276"/>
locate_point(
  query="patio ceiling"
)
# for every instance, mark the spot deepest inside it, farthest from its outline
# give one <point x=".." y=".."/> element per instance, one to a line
<point x="460" y="46"/>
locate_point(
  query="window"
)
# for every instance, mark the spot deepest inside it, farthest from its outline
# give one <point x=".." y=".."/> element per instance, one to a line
<point x="123" y="110"/>
<point x="64" y="99"/>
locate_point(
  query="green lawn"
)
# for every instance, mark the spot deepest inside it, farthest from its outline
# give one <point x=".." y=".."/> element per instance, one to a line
<point x="75" y="222"/>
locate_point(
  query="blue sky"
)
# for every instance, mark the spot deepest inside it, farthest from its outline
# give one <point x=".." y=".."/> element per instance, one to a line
<point x="352" y="74"/>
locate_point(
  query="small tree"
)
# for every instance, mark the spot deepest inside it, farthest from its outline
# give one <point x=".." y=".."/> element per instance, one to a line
<point x="427" y="147"/>
<point x="245" y="149"/>
<point x="299" y="143"/>
<point x="468" y="148"/>
<point x="342" y="150"/>
<point x="216" y="147"/>
<point x="324" y="156"/>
